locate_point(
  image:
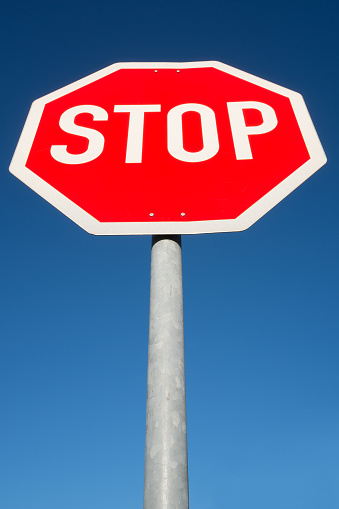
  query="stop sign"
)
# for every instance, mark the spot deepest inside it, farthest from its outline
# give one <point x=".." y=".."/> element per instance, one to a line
<point x="167" y="148"/>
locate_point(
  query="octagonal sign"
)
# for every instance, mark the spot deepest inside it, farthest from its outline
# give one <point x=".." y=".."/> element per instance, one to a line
<point x="167" y="148"/>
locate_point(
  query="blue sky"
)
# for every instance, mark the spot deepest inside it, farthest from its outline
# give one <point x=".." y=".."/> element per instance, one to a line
<point x="261" y="306"/>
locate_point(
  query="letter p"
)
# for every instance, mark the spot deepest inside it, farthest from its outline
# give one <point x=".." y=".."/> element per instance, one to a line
<point x="241" y="132"/>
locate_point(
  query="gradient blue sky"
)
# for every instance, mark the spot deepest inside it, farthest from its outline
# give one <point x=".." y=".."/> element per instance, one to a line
<point x="261" y="306"/>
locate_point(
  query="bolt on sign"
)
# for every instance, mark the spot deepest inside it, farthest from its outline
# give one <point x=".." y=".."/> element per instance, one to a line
<point x="167" y="148"/>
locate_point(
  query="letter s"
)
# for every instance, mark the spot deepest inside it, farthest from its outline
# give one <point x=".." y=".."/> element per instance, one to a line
<point x="95" y="139"/>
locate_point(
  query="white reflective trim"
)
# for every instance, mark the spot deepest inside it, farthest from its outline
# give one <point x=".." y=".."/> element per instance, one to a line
<point x="241" y="132"/>
<point x="96" y="140"/>
<point x="175" y="133"/>
<point x="136" y="128"/>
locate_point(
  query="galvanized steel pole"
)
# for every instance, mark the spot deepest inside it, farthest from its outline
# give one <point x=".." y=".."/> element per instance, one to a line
<point x="166" y="476"/>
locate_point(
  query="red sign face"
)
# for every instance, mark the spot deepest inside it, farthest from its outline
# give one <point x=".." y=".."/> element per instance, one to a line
<point x="167" y="148"/>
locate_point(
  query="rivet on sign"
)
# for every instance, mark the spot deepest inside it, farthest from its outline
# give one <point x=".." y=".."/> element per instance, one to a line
<point x="182" y="213"/>
<point x="151" y="214"/>
<point x="155" y="71"/>
<point x="178" y="71"/>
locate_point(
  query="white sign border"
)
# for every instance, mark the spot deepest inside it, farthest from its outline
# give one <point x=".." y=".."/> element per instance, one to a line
<point x="242" y="222"/>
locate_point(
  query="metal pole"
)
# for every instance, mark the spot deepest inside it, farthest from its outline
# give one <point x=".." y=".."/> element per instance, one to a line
<point x="166" y="477"/>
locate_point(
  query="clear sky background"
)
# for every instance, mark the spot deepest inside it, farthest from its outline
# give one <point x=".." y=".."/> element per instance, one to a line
<point x="261" y="306"/>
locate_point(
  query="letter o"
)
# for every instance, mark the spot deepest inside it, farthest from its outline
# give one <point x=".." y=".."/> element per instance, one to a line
<point x="175" y="133"/>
